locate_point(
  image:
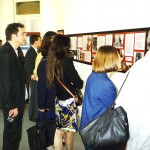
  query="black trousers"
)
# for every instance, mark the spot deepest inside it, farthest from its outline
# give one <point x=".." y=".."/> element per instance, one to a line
<point x="33" y="106"/>
<point x="27" y="82"/>
<point x="12" y="131"/>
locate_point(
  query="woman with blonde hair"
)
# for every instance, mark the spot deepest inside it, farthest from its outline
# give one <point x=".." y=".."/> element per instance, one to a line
<point x="100" y="92"/>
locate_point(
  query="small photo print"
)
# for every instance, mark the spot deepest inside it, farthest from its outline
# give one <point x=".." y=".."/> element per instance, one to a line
<point x="94" y="47"/>
<point x="138" y="55"/>
<point x="118" y="40"/>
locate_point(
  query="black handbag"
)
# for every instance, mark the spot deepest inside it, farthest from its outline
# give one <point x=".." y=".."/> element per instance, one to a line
<point x="109" y="131"/>
<point x="41" y="135"/>
<point x="78" y="96"/>
<point x="34" y="138"/>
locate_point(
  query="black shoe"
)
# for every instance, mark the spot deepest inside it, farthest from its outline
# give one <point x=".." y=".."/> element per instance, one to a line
<point x="34" y="120"/>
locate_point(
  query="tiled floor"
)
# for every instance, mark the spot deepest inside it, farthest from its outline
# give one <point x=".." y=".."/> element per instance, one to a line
<point x="78" y="145"/>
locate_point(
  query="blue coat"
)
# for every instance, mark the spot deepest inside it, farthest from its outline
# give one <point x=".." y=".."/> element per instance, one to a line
<point x="99" y="94"/>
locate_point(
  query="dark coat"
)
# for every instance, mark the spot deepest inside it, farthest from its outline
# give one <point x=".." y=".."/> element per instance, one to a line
<point x="30" y="58"/>
<point x="12" y="79"/>
<point x="71" y="79"/>
<point x="21" y="55"/>
<point x="46" y="97"/>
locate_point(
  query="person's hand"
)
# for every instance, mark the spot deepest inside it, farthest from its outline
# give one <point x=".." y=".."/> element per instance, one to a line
<point x="33" y="77"/>
<point x="42" y="110"/>
<point x="13" y="112"/>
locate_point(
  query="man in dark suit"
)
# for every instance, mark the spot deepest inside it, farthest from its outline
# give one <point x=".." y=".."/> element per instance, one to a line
<point x="30" y="57"/>
<point x="12" y="86"/>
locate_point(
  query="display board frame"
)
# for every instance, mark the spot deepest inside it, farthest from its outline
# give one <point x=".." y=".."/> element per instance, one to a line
<point x="132" y="43"/>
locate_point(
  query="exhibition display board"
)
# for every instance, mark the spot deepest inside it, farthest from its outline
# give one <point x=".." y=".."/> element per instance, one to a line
<point x="132" y="44"/>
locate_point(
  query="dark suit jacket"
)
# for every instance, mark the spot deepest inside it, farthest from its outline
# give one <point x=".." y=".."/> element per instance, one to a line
<point x="30" y="60"/>
<point x="21" y="55"/>
<point x="12" y="79"/>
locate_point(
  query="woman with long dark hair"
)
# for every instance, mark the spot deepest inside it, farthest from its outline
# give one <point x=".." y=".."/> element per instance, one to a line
<point x="60" y="64"/>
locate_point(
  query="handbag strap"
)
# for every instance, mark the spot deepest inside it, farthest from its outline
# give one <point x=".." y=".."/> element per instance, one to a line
<point x="123" y="84"/>
<point x="66" y="88"/>
<point x="120" y="90"/>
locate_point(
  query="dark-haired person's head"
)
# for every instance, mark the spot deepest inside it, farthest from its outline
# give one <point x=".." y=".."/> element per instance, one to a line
<point x="107" y="59"/>
<point x="48" y="36"/>
<point x="15" y="33"/>
<point x="12" y="28"/>
<point x="60" y="46"/>
<point x="59" y="49"/>
<point x="34" y="38"/>
<point x="45" y="48"/>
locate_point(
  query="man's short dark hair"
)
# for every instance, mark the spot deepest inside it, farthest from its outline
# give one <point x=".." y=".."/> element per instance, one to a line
<point x="12" y="29"/>
<point x="34" y="38"/>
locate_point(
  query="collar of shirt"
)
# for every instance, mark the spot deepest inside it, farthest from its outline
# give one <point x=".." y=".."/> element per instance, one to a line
<point x="16" y="51"/>
<point x="34" y="48"/>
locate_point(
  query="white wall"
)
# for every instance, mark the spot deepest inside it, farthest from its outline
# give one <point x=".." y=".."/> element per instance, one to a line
<point x="83" y="16"/>
<point x="48" y="16"/>
<point x="80" y="16"/>
<point x="6" y="16"/>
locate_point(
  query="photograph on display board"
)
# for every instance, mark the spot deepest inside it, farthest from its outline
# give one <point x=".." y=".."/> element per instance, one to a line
<point x="140" y="38"/>
<point x="118" y="40"/>
<point x="101" y="40"/>
<point x="98" y="41"/>
<point x="85" y="56"/>
<point x="109" y="39"/>
<point x="84" y="48"/>
<point x="94" y="47"/>
<point x="129" y="44"/>
<point x="79" y="55"/>
<point x="87" y="43"/>
<point x="94" y="43"/>
<point x="79" y="48"/>
<point x="73" y="47"/>
<point x="138" y="55"/>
